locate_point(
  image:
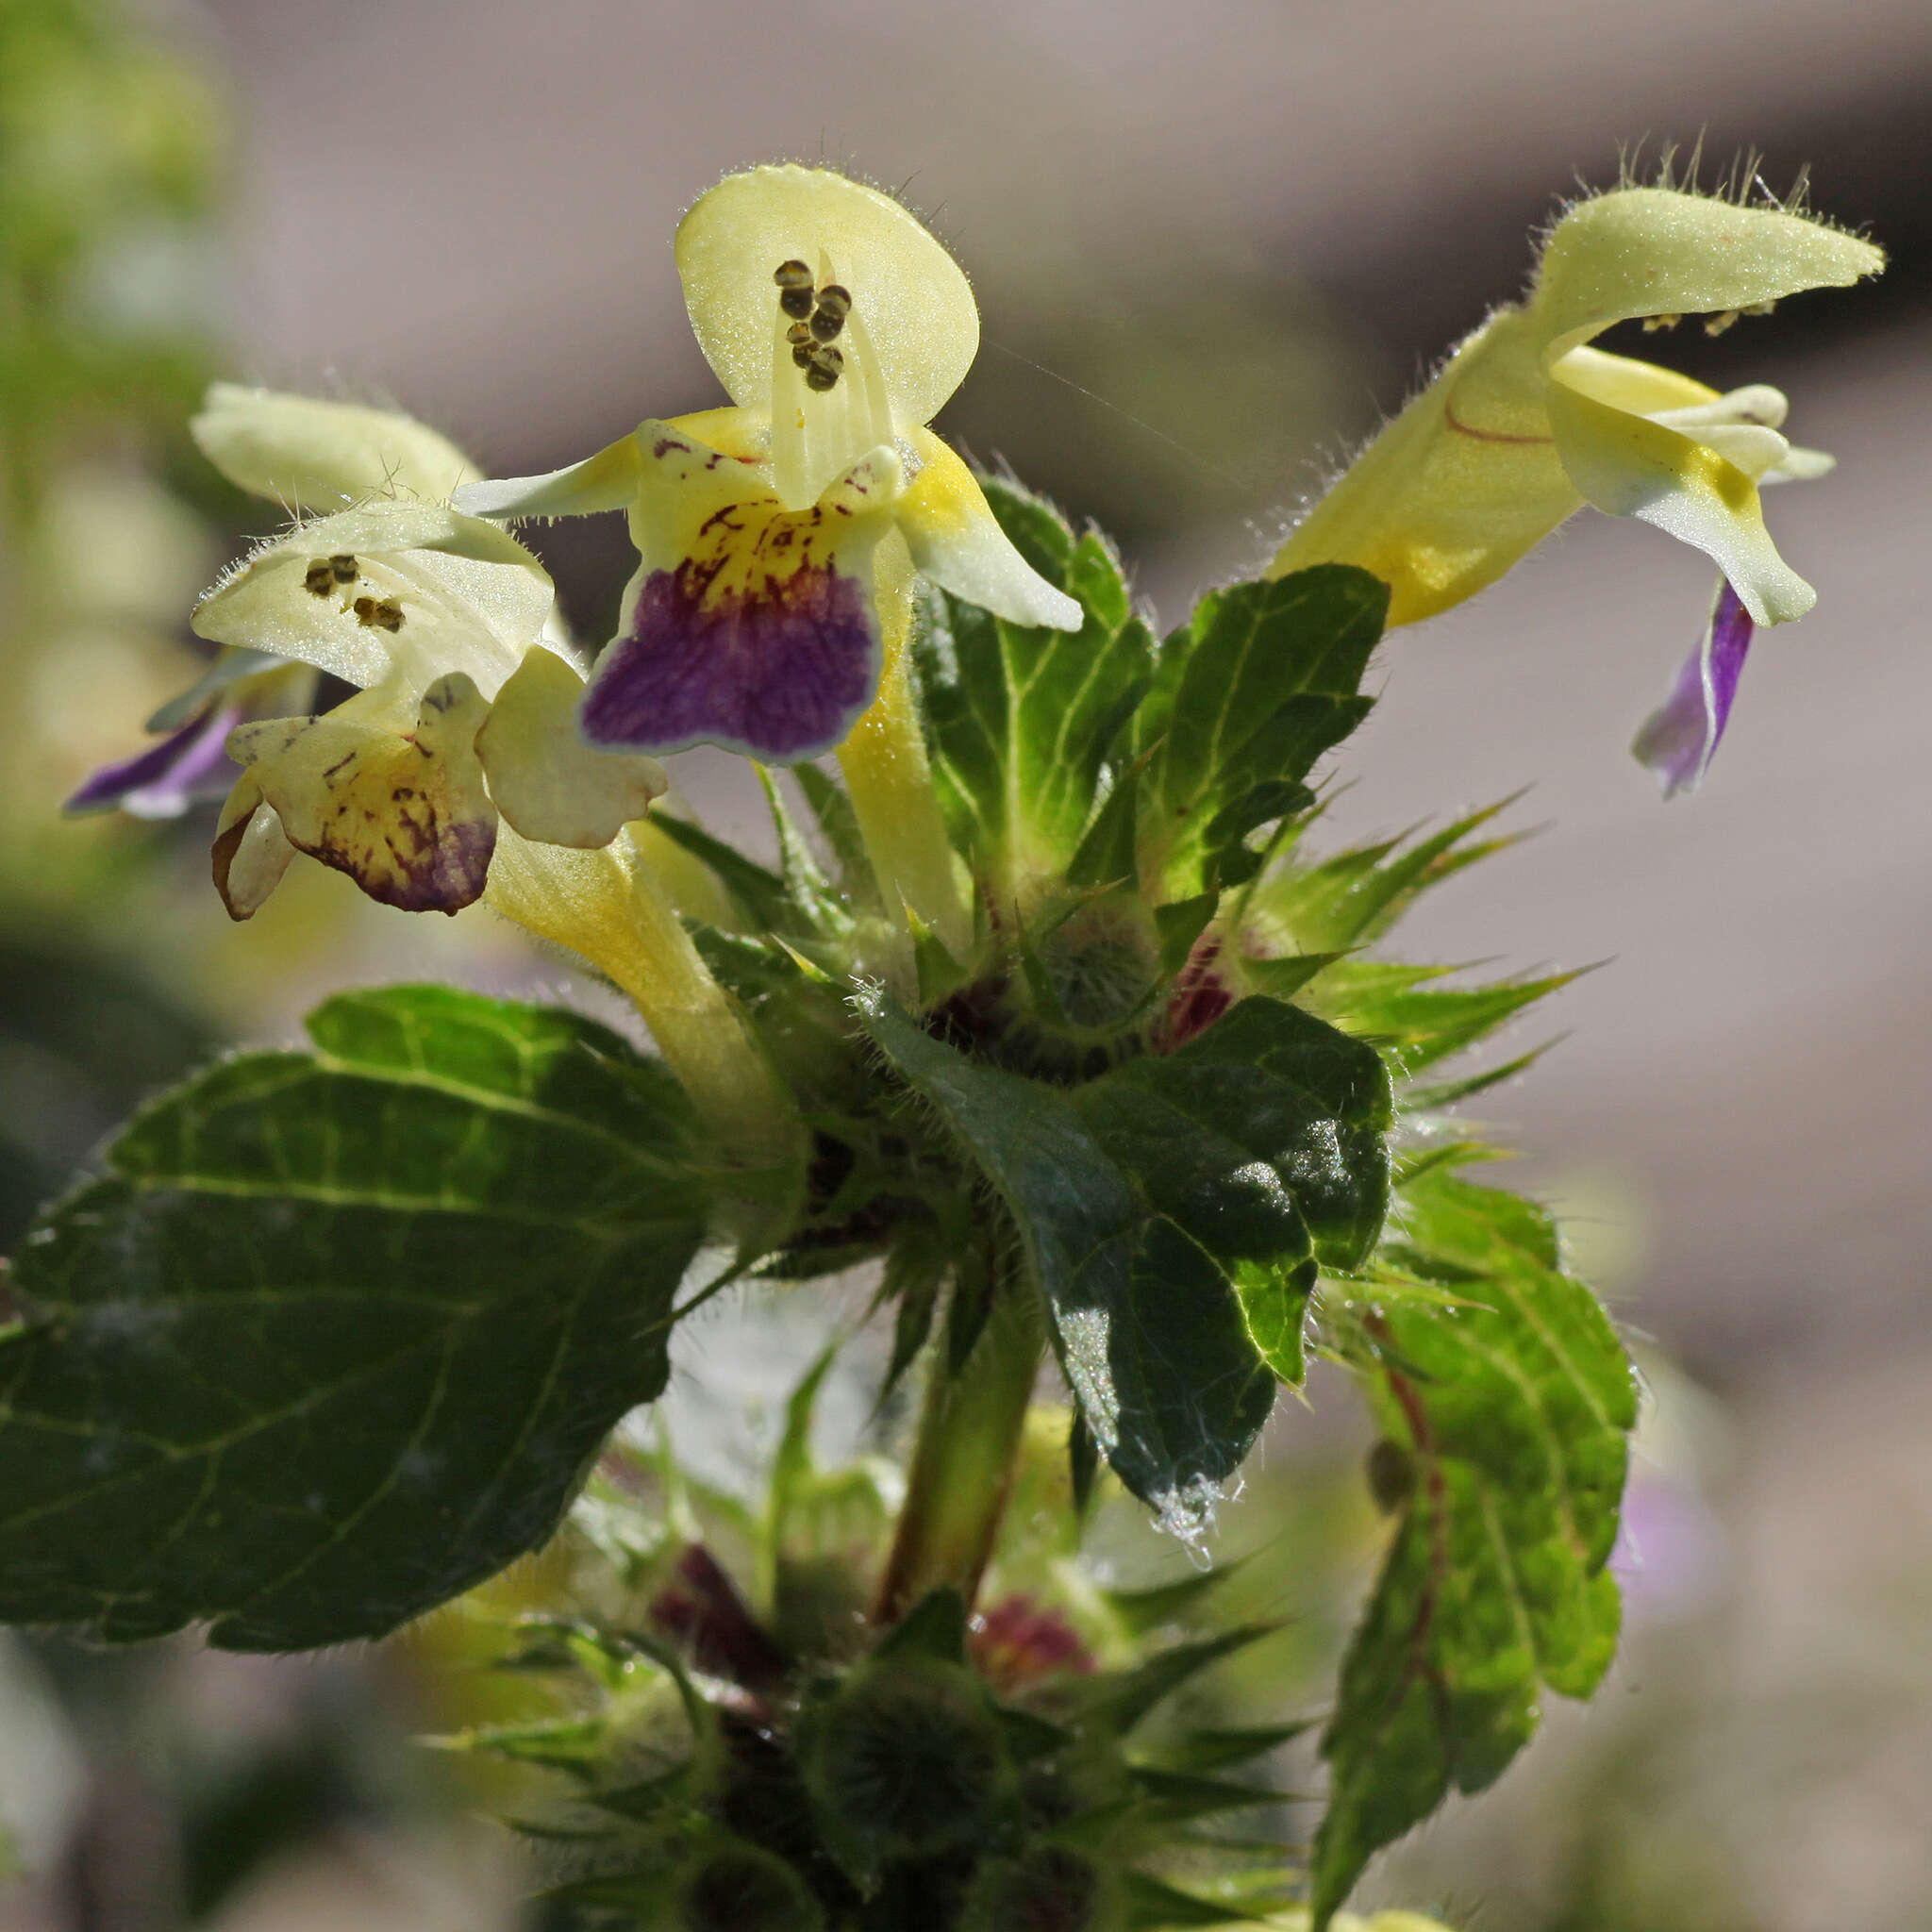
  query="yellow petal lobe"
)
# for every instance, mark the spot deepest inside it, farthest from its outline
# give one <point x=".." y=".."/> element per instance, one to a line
<point x="956" y="542"/>
<point x="545" y="781"/>
<point x="251" y="851"/>
<point x="404" y="813"/>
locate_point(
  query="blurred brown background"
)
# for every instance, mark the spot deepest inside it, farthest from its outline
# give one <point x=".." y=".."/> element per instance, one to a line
<point x="1211" y="246"/>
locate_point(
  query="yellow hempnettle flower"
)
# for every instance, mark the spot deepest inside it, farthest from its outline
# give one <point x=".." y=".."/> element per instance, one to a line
<point x="455" y="771"/>
<point x="839" y="326"/>
<point x="780" y="536"/>
<point x="1526" y="423"/>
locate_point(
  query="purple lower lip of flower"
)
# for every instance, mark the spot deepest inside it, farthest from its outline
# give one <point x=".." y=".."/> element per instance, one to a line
<point x="780" y="672"/>
<point x="188" y="767"/>
<point x="1678" y="739"/>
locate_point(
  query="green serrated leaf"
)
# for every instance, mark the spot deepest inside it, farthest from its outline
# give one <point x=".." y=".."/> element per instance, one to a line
<point x="1262" y="680"/>
<point x="1516" y="1416"/>
<point x="1174" y="1212"/>
<point x="1148" y="1329"/>
<point x="1021" y="721"/>
<point x="334" y="1336"/>
<point x="1264" y="1140"/>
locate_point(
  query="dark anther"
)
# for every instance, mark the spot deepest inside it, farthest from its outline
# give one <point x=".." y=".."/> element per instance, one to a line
<point x="825" y="324"/>
<point x="819" y="377"/>
<point x="321" y="577"/>
<point x="836" y="300"/>
<point x="343" y="568"/>
<point x="798" y="332"/>
<point x="796" y="303"/>
<point x="801" y="354"/>
<point x="386" y="615"/>
<point x="792" y="274"/>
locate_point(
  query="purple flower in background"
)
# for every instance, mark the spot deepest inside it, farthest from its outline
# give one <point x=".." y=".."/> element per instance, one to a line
<point x="190" y="765"/>
<point x="1678" y="739"/>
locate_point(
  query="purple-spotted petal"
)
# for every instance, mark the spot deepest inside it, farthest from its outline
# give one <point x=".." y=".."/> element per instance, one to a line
<point x="751" y="627"/>
<point x="403" y="812"/>
<point x="188" y="767"/>
<point x="1678" y="739"/>
<point x="779" y="671"/>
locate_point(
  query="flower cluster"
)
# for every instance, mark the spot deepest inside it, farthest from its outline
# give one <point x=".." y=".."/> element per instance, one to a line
<point x="781" y="539"/>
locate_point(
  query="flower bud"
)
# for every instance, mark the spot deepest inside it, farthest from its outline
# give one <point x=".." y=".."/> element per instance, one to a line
<point x="906" y="1759"/>
<point x="1050" y="1890"/>
<point x="734" y="1887"/>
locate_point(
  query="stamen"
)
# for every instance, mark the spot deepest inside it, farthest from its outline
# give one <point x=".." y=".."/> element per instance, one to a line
<point x="371" y="615"/>
<point x="1716" y="324"/>
<point x="343" y="568"/>
<point x="1653" y="322"/>
<point x="319" y="579"/>
<point x="829" y="318"/>
<point x="824" y="366"/>
<point x="794" y="289"/>
<point x="825" y="422"/>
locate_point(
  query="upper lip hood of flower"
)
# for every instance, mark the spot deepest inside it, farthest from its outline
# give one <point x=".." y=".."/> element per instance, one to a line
<point x="1635" y="253"/>
<point x="913" y="299"/>
<point x="315" y="454"/>
<point x="473" y="598"/>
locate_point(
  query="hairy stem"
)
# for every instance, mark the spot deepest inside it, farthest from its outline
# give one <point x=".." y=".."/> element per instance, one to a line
<point x="963" y="1464"/>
